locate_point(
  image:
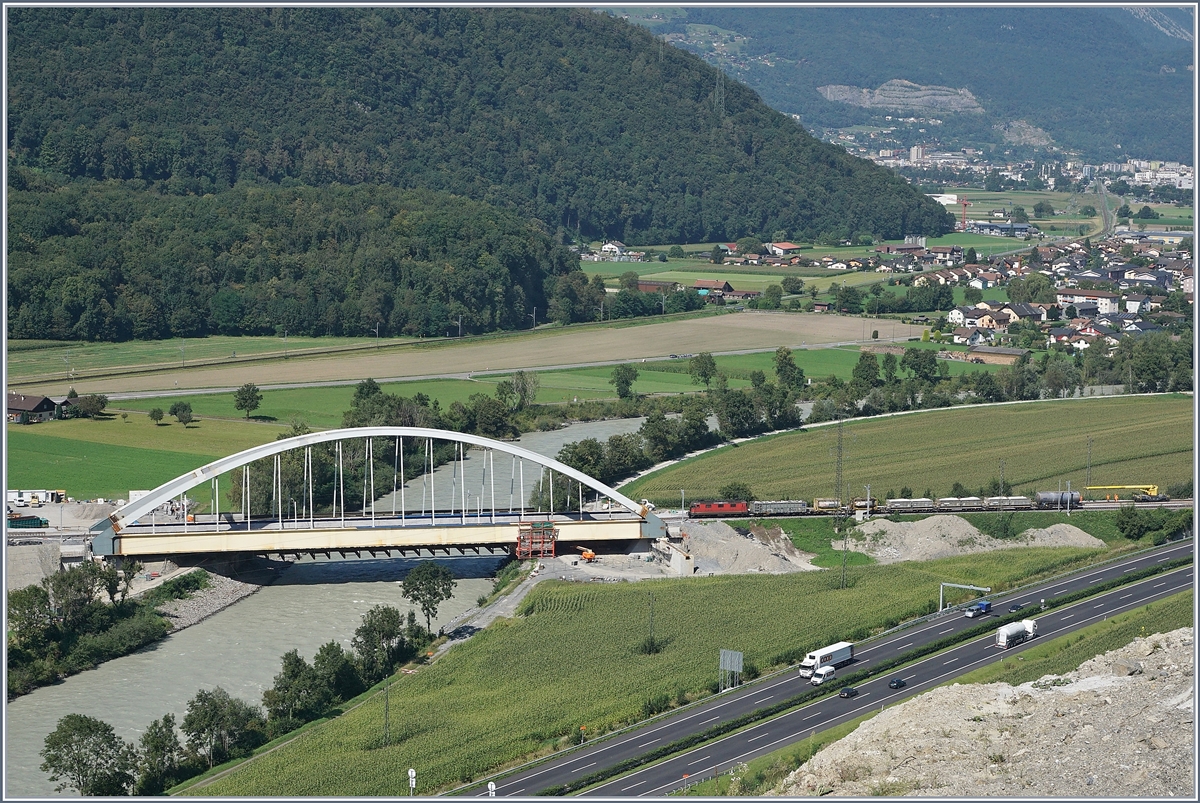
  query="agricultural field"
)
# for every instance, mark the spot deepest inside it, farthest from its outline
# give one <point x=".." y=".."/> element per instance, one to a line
<point x="1134" y="439"/>
<point x="575" y="345"/>
<point x="37" y="358"/>
<point x="521" y="686"/>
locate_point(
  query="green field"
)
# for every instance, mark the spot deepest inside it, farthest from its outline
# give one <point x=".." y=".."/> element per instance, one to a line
<point x="1134" y="440"/>
<point x="522" y="686"/>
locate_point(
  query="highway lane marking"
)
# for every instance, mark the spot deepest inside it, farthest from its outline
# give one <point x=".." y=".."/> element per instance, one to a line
<point x="1130" y="569"/>
<point x="952" y="660"/>
<point x="584" y="767"/>
<point x="760" y="699"/>
<point x="947" y="630"/>
<point x="799" y="734"/>
<point x="697" y="761"/>
<point x="1068" y="616"/>
<point x="519" y="791"/>
<point x="1163" y="583"/>
<point x="652" y="741"/>
<point x="760" y="736"/>
<point x="705" y="722"/>
<point x="1101" y="605"/>
<point x="639" y="783"/>
<point x="902" y="646"/>
<point x="1125" y="597"/>
<point x="1165" y="557"/>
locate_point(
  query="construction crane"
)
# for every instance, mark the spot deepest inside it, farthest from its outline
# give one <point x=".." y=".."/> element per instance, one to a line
<point x="1148" y="493"/>
<point x="588" y="555"/>
<point x="965" y="203"/>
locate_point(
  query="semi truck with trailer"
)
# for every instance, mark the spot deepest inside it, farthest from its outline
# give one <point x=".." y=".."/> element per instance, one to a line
<point x="1013" y="634"/>
<point x="834" y="656"/>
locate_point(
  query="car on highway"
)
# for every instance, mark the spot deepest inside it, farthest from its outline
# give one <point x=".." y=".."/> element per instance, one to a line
<point x="896" y="683"/>
<point x="848" y="692"/>
<point x="1016" y="606"/>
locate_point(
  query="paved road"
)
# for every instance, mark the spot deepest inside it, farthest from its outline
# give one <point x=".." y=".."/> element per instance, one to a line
<point x="768" y="736"/>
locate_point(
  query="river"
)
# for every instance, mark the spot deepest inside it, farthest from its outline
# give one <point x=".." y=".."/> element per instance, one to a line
<point x="240" y="647"/>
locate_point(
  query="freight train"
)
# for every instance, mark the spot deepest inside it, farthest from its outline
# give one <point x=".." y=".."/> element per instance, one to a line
<point x="1043" y="500"/>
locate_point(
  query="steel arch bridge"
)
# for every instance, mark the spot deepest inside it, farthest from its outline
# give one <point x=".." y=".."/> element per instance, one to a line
<point x="138" y="528"/>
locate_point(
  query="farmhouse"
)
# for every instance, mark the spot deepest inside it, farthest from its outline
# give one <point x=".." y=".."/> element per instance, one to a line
<point x="24" y="409"/>
<point x="1103" y="299"/>
<point x="782" y="249"/>
<point x="655" y="286"/>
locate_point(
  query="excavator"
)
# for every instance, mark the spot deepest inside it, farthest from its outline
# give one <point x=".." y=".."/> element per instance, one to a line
<point x="1146" y="493"/>
<point x="588" y="555"/>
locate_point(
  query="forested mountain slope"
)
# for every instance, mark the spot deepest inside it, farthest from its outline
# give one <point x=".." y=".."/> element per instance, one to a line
<point x="100" y="261"/>
<point x="581" y="121"/>
<point x="1109" y="82"/>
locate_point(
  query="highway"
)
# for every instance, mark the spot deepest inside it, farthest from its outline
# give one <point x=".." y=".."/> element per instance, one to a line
<point x="767" y="736"/>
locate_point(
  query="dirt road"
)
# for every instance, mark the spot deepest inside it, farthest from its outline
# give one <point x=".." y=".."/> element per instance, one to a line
<point x="556" y="347"/>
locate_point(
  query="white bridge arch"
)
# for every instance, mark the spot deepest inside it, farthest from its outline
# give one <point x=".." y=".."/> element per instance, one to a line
<point x="121" y="534"/>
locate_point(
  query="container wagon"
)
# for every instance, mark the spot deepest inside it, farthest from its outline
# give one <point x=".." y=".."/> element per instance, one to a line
<point x="1046" y="500"/>
<point x="910" y="505"/>
<point x="827" y="504"/>
<point x="1007" y="503"/>
<point x="960" y="503"/>
<point x="779" y="508"/>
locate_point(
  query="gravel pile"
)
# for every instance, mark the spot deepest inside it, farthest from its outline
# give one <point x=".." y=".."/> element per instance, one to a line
<point x="946" y="536"/>
<point x="221" y="593"/>
<point x="1121" y="725"/>
<point x="719" y="549"/>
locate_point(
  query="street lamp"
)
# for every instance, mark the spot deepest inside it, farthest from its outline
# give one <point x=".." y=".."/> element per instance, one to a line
<point x="682" y="505"/>
<point x="534" y="316"/>
<point x="377" y="334"/>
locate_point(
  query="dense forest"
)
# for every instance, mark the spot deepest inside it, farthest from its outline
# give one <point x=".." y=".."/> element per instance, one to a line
<point x="96" y="260"/>
<point x="578" y="120"/>
<point x="1100" y="80"/>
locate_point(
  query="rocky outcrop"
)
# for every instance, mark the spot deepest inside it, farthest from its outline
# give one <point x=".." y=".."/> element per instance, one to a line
<point x="1119" y="726"/>
<point x="901" y="95"/>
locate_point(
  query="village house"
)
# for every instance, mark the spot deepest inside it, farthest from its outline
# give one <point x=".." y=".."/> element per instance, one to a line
<point x="29" y="409"/>
<point x="782" y="249"/>
<point x="971" y="336"/>
<point x="1104" y="300"/>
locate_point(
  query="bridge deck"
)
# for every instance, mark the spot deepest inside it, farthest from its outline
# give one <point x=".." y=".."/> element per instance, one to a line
<point x="263" y="537"/>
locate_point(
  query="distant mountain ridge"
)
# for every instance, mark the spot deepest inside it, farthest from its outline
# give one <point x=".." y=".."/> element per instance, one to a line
<point x="1106" y="82"/>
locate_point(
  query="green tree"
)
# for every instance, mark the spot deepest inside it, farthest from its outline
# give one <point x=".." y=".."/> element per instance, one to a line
<point x="428" y="585"/>
<point x="716" y="255"/>
<point x="623" y="377"/>
<point x="1087" y="210"/>
<point x="703" y="368"/>
<point x="749" y="245"/>
<point x="247" y="398"/>
<point x="159" y="757"/>
<point x="889" y="368"/>
<point x="992" y="181"/>
<point x="792" y="284"/>
<point x="525" y="384"/>
<point x="1124" y="211"/>
<point x="786" y="371"/>
<point x="219" y="726"/>
<point x="182" y="411"/>
<point x="629" y="280"/>
<point x="771" y="297"/>
<point x="1019" y="215"/>
<point x="378" y="642"/>
<point x="737" y="491"/>
<point x="676" y="252"/>
<point x="971" y="257"/>
<point x="922" y="363"/>
<point x="91" y="405"/>
<point x="866" y="371"/>
<point x="1043" y="209"/>
<point x="335" y="668"/>
<point x="29" y="615"/>
<point x="298" y="695"/>
<point x="85" y="754"/>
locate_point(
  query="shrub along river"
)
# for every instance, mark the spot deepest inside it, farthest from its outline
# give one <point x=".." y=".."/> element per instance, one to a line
<point x="240" y="648"/>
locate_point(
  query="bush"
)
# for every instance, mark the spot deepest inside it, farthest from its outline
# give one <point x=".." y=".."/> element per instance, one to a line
<point x="738" y="491"/>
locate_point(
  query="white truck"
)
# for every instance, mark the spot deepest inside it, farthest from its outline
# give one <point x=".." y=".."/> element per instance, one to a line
<point x="1013" y="634"/>
<point x="834" y="656"/>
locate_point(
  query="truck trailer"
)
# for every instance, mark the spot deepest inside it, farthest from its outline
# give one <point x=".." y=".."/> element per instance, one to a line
<point x="979" y="609"/>
<point x="1015" y="633"/>
<point x="835" y="656"/>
